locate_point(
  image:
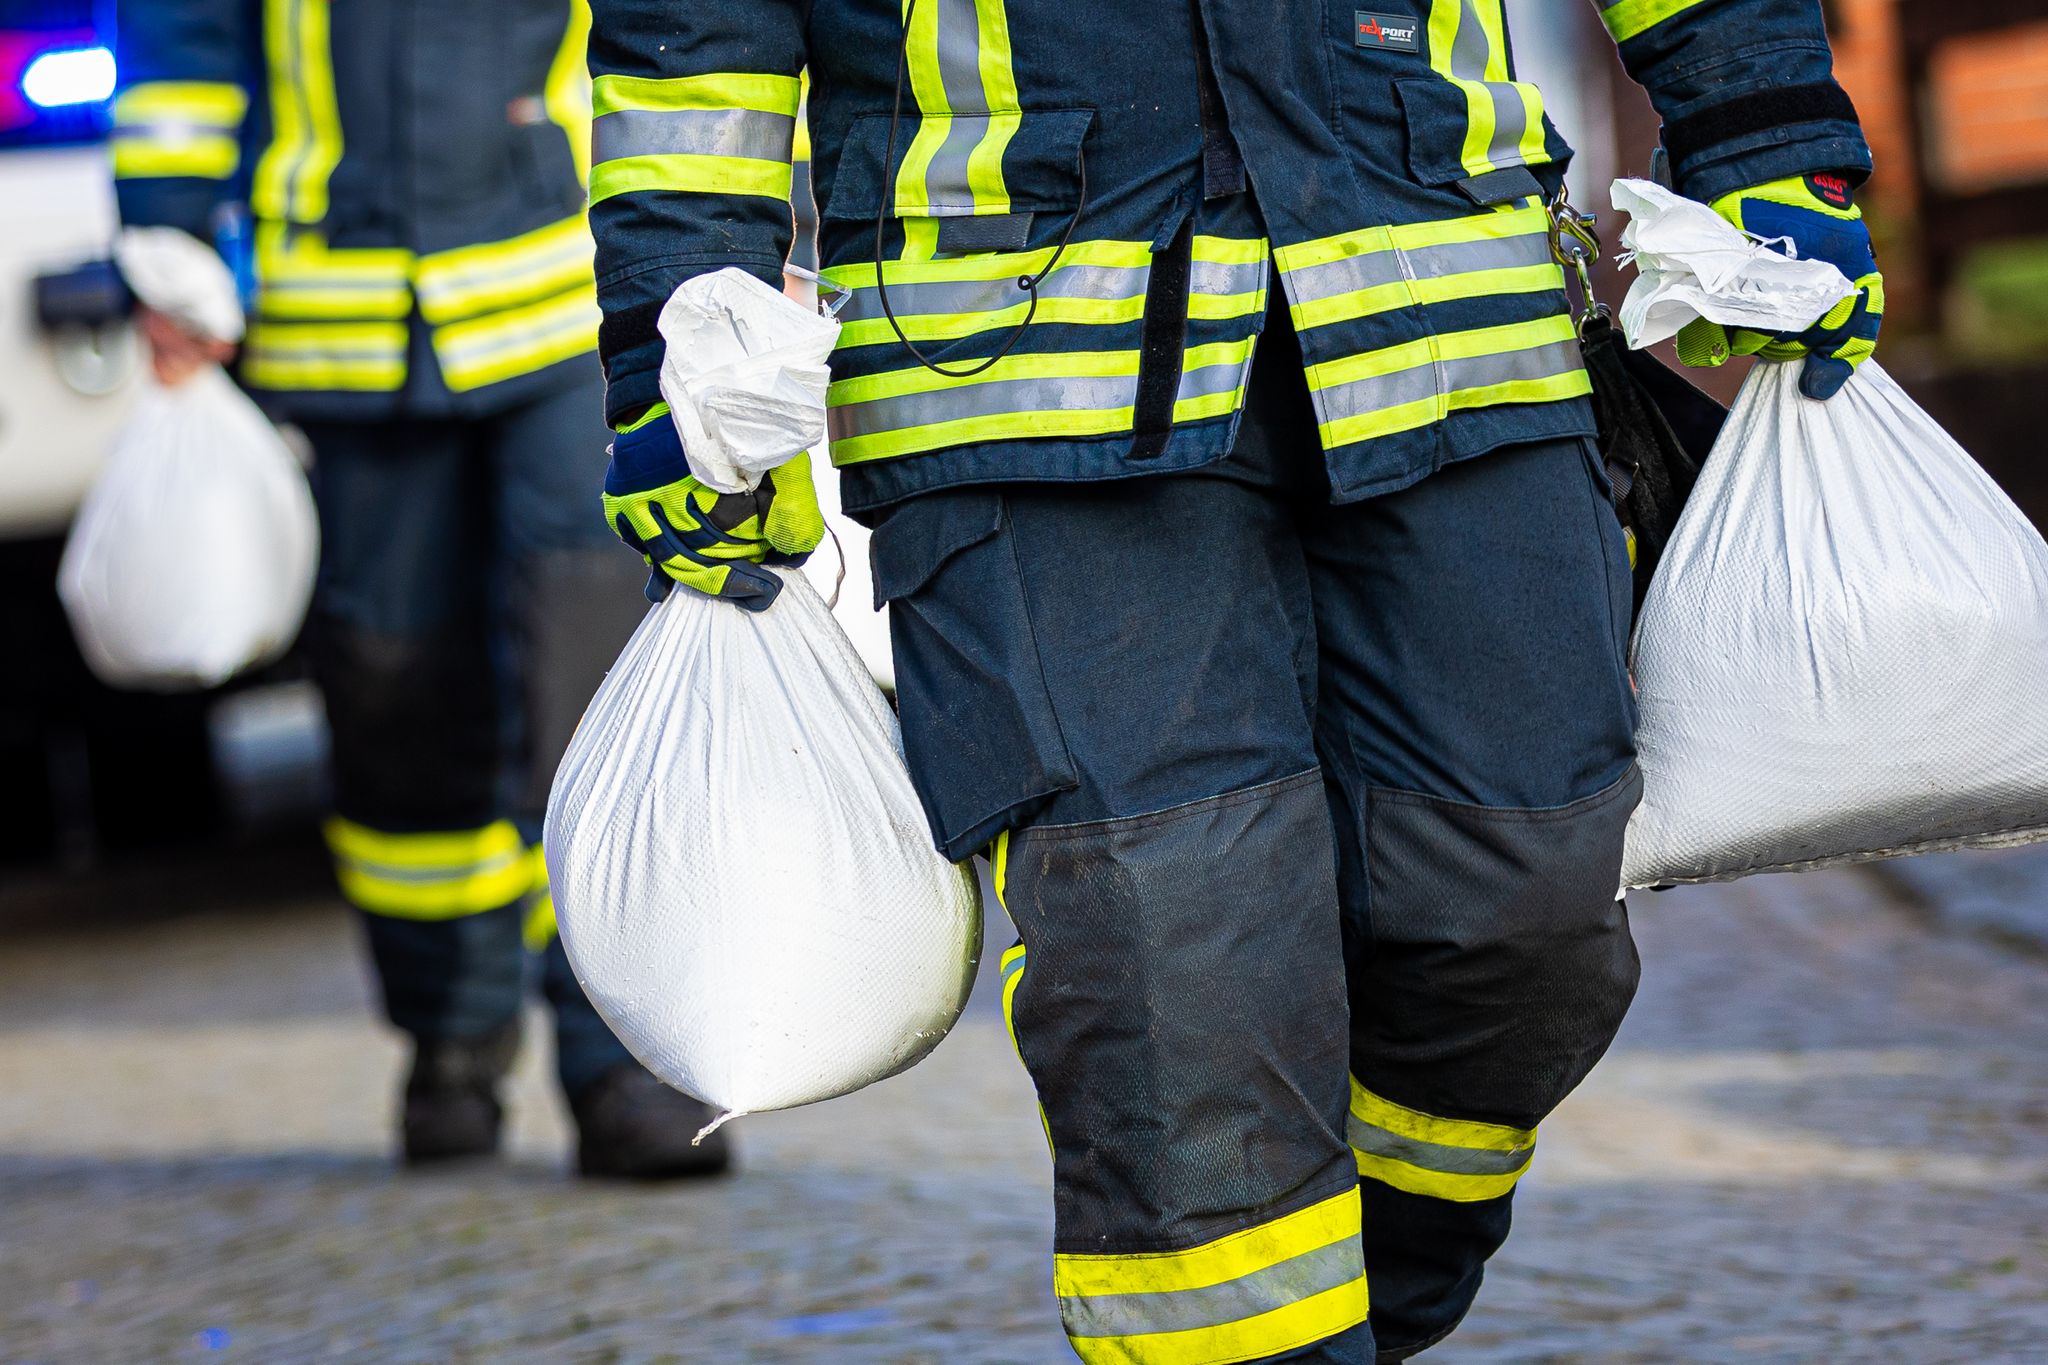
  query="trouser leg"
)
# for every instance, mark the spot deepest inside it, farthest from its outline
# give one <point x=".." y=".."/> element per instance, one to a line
<point x="570" y="597"/>
<point x="400" y="644"/>
<point x="1476" y="728"/>
<point x="1119" y="682"/>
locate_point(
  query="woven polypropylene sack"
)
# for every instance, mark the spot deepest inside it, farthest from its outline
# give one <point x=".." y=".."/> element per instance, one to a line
<point x="1844" y="655"/>
<point x="193" y="555"/>
<point x="743" y="876"/>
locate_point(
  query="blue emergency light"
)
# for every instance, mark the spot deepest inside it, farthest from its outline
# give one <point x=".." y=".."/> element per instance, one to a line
<point x="71" y="76"/>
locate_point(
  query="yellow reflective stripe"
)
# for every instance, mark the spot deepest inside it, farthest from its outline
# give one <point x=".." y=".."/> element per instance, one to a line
<point x="1029" y="365"/>
<point x="1533" y="151"/>
<point x="566" y="95"/>
<point x="1004" y="426"/>
<point x="212" y="104"/>
<point x="999" y="876"/>
<point x="517" y="341"/>
<point x="291" y="179"/>
<point x="1472" y="284"/>
<point x="1408" y="236"/>
<point x="992" y="266"/>
<point x="952" y="326"/>
<point x="300" y="277"/>
<point x="1468" y="345"/>
<point x="365" y="357"/>
<point x="539" y="926"/>
<point x="1627" y="18"/>
<point x="1396" y="1118"/>
<point x="1231" y="250"/>
<point x="960" y="64"/>
<point x="1297" y="1324"/>
<point x="928" y="88"/>
<point x="1422" y="412"/>
<point x="470" y="280"/>
<point x="1453" y="1159"/>
<point x="1227" y="1258"/>
<point x="689" y="172"/>
<point x="999" y="96"/>
<point x="178" y="128"/>
<point x="439" y="875"/>
<point x="210" y="156"/>
<point x="758" y="90"/>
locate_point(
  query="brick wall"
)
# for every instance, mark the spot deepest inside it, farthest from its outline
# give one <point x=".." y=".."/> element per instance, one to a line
<point x="1990" y="109"/>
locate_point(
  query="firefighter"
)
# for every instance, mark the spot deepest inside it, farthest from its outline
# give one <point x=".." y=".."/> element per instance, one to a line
<point x="424" y="310"/>
<point x="1287" y="695"/>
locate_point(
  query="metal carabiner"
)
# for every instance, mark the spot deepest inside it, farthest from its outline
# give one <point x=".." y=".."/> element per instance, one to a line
<point x="1574" y="242"/>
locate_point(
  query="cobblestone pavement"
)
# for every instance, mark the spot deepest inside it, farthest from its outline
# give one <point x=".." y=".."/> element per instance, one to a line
<point x="1823" y="1138"/>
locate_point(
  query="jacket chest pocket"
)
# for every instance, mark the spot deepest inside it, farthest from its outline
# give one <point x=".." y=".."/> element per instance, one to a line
<point x="1468" y="122"/>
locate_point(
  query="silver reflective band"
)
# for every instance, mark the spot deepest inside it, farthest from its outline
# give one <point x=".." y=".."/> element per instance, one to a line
<point x="1435" y="1156"/>
<point x="1390" y="265"/>
<point x="1432" y="377"/>
<point x="747" y="133"/>
<point x="1225" y="377"/>
<point x="983" y="399"/>
<point x="938" y="298"/>
<point x="1227" y="278"/>
<point x="1248" y="1296"/>
<point x="959" y="49"/>
<point x="1468" y="63"/>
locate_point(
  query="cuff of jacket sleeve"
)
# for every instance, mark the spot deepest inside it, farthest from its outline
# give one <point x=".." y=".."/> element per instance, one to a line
<point x="631" y="392"/>
<point x="629" y="335"/>
<point x="1774" y="155"/>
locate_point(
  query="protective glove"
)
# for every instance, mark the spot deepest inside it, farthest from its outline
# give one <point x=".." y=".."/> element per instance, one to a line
<point x="697" y="536"/>
<point x="1815" y="216"/>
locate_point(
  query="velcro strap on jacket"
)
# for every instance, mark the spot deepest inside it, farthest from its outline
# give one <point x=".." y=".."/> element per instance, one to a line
<point x="1687" y="137"/>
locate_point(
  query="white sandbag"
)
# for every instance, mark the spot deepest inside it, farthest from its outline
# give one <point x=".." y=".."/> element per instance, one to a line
<point x="743" y="876"/>
<point x="1844" y="654"/>
<point x="193" y="555"/>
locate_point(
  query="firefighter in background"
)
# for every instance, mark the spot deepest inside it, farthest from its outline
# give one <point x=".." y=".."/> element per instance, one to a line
<point x="1256" y="591"/>
<point x="425" y="311"/>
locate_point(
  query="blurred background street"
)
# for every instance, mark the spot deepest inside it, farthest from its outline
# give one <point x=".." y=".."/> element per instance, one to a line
<point x="1822" y="1137"/>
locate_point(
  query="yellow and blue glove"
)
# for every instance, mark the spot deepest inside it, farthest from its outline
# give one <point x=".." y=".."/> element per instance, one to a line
<point x="693" y="535"/>
<point x="1821" y="222"/>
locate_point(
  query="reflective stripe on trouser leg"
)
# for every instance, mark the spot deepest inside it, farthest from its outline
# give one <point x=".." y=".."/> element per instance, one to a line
<point x="443" y="915"/>
<point x="1183" y="1018"/>
<point x="1011" y="968"/>
<point x="437" y="875"/>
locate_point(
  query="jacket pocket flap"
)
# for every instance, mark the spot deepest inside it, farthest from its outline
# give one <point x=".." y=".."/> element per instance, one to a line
<point x="1040" y="166"/>
<point x="1439" y="114"/>
<point x="917" y="538"/>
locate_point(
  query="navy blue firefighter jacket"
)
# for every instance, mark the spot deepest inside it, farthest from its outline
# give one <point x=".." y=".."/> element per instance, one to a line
<point x="1151" y="165"/>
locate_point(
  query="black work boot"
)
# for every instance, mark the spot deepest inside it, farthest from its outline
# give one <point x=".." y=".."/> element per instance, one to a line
<point x="632" y="1127"/>
<point x="451" y="1107"/>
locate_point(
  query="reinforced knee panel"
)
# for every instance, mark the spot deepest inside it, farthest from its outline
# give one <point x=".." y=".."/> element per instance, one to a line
<point x="1180" y="1004"/>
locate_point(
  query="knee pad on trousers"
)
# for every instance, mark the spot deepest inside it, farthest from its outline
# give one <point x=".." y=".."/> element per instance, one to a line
<point x="1497" y="962"/>
<point x="1182" y="1012"/>
<point x="415" y="721"/>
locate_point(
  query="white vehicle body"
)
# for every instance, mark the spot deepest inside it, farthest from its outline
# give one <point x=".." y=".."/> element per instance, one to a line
<point x="62" y="398"/>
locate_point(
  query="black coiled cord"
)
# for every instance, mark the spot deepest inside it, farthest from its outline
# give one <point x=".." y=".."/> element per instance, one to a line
<point x="1028" y="283"/>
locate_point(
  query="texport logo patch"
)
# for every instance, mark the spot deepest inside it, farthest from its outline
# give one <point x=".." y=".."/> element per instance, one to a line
<point x="1395" y="32"/>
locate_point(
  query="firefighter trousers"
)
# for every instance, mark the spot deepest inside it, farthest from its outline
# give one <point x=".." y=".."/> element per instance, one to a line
<point x="469" y="601"/>
<point x="1309" y="818"/>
